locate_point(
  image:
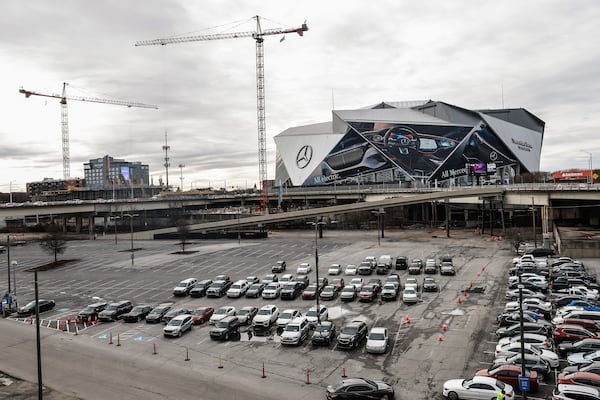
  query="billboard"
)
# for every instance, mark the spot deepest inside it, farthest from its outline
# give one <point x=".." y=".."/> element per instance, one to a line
<point x="125" y="174"/>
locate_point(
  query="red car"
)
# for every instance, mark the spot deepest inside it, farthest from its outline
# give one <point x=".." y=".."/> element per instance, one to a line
<point x="588" y="324"/>
<point x="510" y="374"/>
<point x="572" y="333"/>
<point x="368" y="293"/>
<point x="202" y="314"/>
<point x="579" y="378"/>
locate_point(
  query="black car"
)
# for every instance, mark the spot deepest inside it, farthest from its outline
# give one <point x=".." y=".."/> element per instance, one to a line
<point x="255" y="290"/>
<point x="415" y="267"/>
<point x="381" y="269"/>
<point x="528" y="285"/>
<point x="515" y="329"/>
<point x="155" y="316"/>
<point x="29" y="308"/>
<point x="173" y="312"/>
<point x="137" y="313"/>
<point x="114" y="311"/>
<point x="430" y="285"/>
<point x="278" y="267"/>
<point x="401" y="262"/>
<point x="581" y="346"/>
<point x="352" y="335"/>
<point x="360" y="388"/>
<point x="91" y="312"/>
<point x="291" y="290"/>
<point x="225" y="328"/>
<point x="218" y="288"/>
<point x="324" y="333"/>
<point x="199" y="288"/>
<point x="304" y="280"/>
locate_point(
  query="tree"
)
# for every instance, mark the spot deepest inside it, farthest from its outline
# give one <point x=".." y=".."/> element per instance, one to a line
<point x="183" y="230"/>
<point x="54" y="242"/>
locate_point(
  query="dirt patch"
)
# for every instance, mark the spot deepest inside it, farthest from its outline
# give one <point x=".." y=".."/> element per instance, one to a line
<point x="52" y="265"/>
<point x="185" y="252"/>
<point x="17" y="389"/>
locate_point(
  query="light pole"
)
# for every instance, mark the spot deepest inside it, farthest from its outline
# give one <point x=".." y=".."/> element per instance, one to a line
<point x="316" y="224"/>
<point x="8" y="260"/>
<point x="10" y="191"/>
<point x="115" y="219"/>
<point x="590" y="179"/>
<point x="379" y="214"/>
<point x="14" y="265"/>
<point x="131" y="217"/>
<point x="181" y="176"/>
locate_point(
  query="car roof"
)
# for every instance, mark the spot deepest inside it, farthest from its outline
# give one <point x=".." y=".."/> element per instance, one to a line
<point x="378" y="329"/>
<point x="484" y="379"/>
<point x="577" y="389"/>
<point x="182" y="316"/>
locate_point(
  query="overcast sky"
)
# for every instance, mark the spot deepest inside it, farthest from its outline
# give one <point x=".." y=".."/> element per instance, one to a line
<point x="539" y="55"/>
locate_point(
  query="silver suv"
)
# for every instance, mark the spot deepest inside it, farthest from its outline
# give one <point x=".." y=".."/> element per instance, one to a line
<point x="295" y="332"/>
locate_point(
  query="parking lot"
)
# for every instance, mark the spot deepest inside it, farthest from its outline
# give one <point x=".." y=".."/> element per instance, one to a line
<point x="422" y="355"/>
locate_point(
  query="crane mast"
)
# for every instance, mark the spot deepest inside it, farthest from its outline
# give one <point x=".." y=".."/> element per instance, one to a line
<point x="64" y="120"/>
<point x="258" y="36"/>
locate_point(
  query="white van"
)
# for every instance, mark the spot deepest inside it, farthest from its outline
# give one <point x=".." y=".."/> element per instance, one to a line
<point x="386" y="259"/>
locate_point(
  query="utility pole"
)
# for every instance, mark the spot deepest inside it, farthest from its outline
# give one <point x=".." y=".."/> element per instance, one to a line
<point x="166" y="148"/>
<point x="181" y="176"/>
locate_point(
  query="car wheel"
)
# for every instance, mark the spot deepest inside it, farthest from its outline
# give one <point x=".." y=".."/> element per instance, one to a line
<point x="139" y="319"/>
<point x="227" y="336"/>
<point x="179" y="334"/>
<point x="452" y="396"/>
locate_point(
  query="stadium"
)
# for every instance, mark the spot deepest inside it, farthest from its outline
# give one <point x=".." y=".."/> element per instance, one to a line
<point x="412" y="144"/>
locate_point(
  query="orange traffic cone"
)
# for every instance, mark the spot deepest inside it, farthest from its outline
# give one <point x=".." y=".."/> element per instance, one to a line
<point x="471" y="285"/>
<point x="441" y="338"/>
<point x="465" y="293"/>
<point x="407" y="320"/>
<point x="444" y="328"/>
<point x="459" y="300"/>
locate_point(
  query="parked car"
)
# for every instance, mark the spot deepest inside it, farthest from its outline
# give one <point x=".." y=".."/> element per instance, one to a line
<point x="265" y="317"/>
<point x="255" y="290"/>
<point x="430" y="285"/>
<point x="29" y="308"/>
<point x="532" y="363"/>
<point x="447" y="268"/>
<point x="510" y="374"/>
<point x="368" y="293"/>
<point x="410" y="296"/>
<point x="593" y="368"/>
<point x="221" y="313"/>
<point x="411" y="282"/>
<point x="183" y="288"/>
<point x="285" y="278"/>
<point x="246" y="314"/>
<point x="586" y="358"/>
<point x="291" y="290"/>
<point x="348" y="293"/>
<point x="357" y="283"/>
<point x="279" y="267"/>
<point x="329" y="292"/>
<point x="401" y="262"/>
<point x="158" y="312"/>
<point x="252" y="280"/>
<point x="389" y="292"/>
<point x="202" y="315"/>
<point x="90" y="312"/>
<point x="395" y="279"/>
<point x="338" y="283"/>
<point x="513" y="294"/>
<point x="572" y="333"/>
<point x="574" y="392"/>
<point x="479" y="387"/>
<point x="218" y="288"/>
<point x="351" y="269"/>
<point x="316" y="315"/>
<point x="303" y="280"/>
<point x="381" y="269"/>
<point x="271" y="291"/>
<point x="174" y="312"/>
<point x="310" y="292"/>
<point x="304" y="269"/>
<point x="359" y="388"/>
<point x="286" y="316"/>
<point x="352" y="335"/>
<point x="114" y="311"/>
<point x="200" y="288"/>
<point x="225" y="328"/>
<point x="324" y="333"/>
<point x="295" y="332"/>
<point x="516" y="347"/>
<point x="535" y="339"/>
<point x="579" y="378"/>
<point x="415" y="267"/>
<point x="334" y="269"/>
<point x="430" y="266"/>
<point x="137" y="313"/>
<point x="270" y="278"/>
<point x="178" y="325"/>
<point x="377" y="340"/>
<point x="533" y="327"/>
<point x="238" y="289"/>
<point x="365" y="268"/>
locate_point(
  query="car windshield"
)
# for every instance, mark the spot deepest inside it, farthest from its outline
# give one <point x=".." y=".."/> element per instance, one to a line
<point x="242" y="312"/>
<point x="221" y="311"/>
<point x="311" y="288"/>
<point x="271" y="287"/>
<point x="199" y="312"/>
<point x="328" y="289"/>
<point x="411" y="280"/>
<point x="376" y="336"/>
<point x="87" y="309"/>
<point x="349" y="289"/>
<point x="159" y="310"/>
<point x="181" y="284"/>
<point x="290" y="286"/>
<point x="592" y="355"/>
<point x="349" y="330"/>
<point x="336" y="281"/>
<point x="222" y="324"/>
<point x="236" y="286"/>
<point x="264" y="312"/>
<point x="409" y="291"/>
<point x="286" y="315"/>
<point x="500" y="385"/>
<point x="312" y="313"/>
<point x="292" y="328"/>
<point x="138" y="309"/>
<point x="367" y="289"/>
<point x="322" y="328"/>
<point x="175" y="322"/>
<point x="256" y="286"/>
<point x="389" y="286"/>
<point x="112" y="307"/>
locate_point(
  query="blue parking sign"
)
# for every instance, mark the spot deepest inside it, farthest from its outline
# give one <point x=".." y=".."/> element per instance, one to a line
<point x="524" y="384"/>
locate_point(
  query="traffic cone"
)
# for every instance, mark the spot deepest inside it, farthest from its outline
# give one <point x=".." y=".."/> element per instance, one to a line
<point x="407" y="320"/>
<point x="441" y="338"/>
<point x="465" y="293"/>
<point x="483" y="268"/>
<point x="89" y="321"/>
<point x="471" y="285"/>
<point x="478" y="274"/>
<point x="459" y="301"/>
<point x="444" y="328"/>
<point x="96" y="320"/>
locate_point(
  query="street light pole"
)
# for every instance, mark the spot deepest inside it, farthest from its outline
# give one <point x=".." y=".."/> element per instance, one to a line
<point x="181" y="176"/>
<point x="131" y="216"/>
<point x="379" y="214"/>
<point x="8" y="260"/>
<point x="316" y="224"/>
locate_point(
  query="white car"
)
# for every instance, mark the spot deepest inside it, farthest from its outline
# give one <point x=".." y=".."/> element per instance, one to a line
<point x="334" y="269"/>
<point x="357" y="283"/>
<point x="409" y="295"/>
<point x="546" y="305"/>
<point x="314" y="314"/>
<point x="478" y="388"/>
<point x="351" y="269"/>
<point x="286" y="278"/>
<point x="286" y="316"/>
<point x="295" y="332"/>
<point x="411" y="283"/>
<point x="534" y="339"/>
<point x="513" y="348"/>
<point x="238" y="289"/>
<point x="377" y="341"/>
<point x="178" y="325"/>
<point x="304" y="269"/>
<point x="372" y="260"/>
<point x="271" y="291"/>
<point x="266" y="316"/>
<point x="221" y="313"/>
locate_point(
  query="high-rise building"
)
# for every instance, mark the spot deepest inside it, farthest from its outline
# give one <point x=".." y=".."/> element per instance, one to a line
<point x="108" y="172"/>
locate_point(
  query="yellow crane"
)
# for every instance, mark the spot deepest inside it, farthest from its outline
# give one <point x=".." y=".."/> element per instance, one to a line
<point x="258" y="37"/>
<point x="65" y="120"/>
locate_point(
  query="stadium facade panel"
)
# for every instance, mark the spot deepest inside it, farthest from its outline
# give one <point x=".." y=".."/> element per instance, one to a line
<point x="415" y="144"/>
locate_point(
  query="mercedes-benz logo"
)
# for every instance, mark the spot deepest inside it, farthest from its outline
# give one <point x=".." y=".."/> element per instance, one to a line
<point x="493" y="156"/>
<point x="304" y="156"/>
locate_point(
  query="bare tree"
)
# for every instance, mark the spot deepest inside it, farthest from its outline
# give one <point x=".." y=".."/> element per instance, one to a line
<point x="54" y="242"/>
<point x="183" y="230"/>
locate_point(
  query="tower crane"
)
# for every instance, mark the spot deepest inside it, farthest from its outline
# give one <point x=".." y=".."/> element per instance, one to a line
<point x="65" y="120"/>
<point x="258" y="37"/>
